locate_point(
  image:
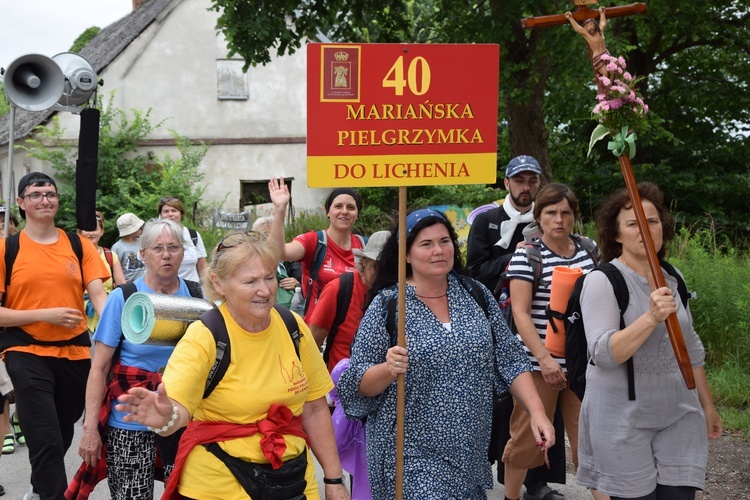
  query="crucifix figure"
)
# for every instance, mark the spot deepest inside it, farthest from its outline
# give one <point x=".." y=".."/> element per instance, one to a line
<point x="595" y="44"/>
<point x="593" y="33"/>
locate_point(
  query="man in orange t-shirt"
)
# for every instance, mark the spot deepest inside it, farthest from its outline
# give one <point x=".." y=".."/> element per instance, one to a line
<point x="45" y="342"/>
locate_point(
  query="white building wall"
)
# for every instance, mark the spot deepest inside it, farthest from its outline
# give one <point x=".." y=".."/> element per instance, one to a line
<point x="172" y="69"/>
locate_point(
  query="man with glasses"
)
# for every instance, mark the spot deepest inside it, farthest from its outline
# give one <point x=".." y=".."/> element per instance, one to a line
<point x="46" y="344"/>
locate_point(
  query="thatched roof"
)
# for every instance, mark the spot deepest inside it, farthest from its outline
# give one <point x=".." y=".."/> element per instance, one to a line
<point x="109" y="43"/>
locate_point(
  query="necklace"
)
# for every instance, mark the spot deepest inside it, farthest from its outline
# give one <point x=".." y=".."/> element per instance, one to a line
<point x="428" y="297"/>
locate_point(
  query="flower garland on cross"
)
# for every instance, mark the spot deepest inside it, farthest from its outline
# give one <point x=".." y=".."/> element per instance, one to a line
<point x="621" y="112"/>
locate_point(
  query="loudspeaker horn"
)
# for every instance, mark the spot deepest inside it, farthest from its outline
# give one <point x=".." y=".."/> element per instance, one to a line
<point x="80" y="79"/>
<point x="34" y="82"/>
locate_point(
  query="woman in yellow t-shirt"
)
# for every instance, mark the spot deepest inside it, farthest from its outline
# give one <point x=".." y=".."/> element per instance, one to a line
<point x="268" y="404"/>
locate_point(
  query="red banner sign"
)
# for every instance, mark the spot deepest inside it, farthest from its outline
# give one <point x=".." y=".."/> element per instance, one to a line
<point x="401" y="114"/>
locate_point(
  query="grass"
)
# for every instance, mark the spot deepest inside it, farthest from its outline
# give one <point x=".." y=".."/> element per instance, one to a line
<point x="721" y="313"/>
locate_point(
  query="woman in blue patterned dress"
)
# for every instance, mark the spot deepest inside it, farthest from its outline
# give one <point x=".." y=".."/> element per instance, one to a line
<point x="457" y="356"/>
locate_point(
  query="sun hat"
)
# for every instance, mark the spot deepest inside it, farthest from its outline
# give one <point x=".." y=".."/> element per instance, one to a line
<point x="374" y="246"/>
<point x="128" y="223"/>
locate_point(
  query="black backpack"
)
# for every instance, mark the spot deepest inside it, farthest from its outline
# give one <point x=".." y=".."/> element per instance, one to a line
<point x="534" y="256"/>
<point x="576" y="345"/>
<point x="388" y="300"/>
<point x="317" y="262"/>
<point x="214" y="321"/>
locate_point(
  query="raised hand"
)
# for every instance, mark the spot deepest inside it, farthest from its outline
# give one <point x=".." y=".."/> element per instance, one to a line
<point x="278" y="192"/>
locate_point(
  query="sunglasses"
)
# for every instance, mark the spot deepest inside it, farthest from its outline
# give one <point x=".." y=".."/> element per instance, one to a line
<point x="167" y="199"/>
<point x="235" y="239"/>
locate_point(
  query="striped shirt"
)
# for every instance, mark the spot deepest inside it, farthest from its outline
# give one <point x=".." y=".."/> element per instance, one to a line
<point x="519" y="268"/>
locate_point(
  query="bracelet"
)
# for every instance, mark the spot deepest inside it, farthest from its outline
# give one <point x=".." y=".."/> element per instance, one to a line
<point x="335" y="480"/>
<point x="169" y="424"/>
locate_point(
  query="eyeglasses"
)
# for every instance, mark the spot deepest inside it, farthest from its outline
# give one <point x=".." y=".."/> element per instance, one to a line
<point x="36" y="197"/>
<point x="172" y="249"/>
<point x="167" y="199"/>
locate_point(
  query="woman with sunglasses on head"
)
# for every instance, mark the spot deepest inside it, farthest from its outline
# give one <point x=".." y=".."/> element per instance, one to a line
<point x="342" y="209"/>
<point x="110" y="259"/>
<point x="194" y="261"/>
<point x="270" y="402"/>
<point x="457" y="355"/>
<point x="126" y="448"/>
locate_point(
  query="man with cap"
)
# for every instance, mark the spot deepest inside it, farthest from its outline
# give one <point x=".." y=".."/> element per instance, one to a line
<point x="323" y="323"/>
<point x="495" y="234"/>
<point x="127" y="247"/>
<point x="45" y="343"/>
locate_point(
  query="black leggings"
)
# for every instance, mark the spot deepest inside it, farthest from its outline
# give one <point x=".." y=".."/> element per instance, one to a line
<point x="666" y="493"/>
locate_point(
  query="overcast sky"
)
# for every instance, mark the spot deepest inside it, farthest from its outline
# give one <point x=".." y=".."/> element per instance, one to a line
<point x="49" y="27"/>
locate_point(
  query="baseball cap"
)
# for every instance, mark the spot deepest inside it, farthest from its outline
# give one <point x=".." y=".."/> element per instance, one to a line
<point x="30" y="179"/>
<point x="128" y="224"/>
<point x="374" y="246"/>
<point x="520" y="164"/>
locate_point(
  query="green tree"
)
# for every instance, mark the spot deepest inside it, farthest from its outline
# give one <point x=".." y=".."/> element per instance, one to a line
<point x="4" y="104"/>
<point x="127" y="180"/>
<point x="693" y="55"/>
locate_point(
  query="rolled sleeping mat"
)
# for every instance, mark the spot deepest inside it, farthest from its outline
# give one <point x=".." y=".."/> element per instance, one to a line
<point x="158" y="319"/>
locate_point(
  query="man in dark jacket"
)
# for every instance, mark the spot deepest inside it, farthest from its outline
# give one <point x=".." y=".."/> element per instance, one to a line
<point x="495" y="234"/>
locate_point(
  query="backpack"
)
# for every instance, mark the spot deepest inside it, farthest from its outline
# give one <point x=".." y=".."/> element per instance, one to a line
<point x="317" y="262"/>
<point x="12" y="245"/>
<point x="576" y="345"/>
<point x="388" y="302"/>
<point x="214" y="321"/>
<point x="343" y="299"/>
<point x="110" y="261"/>
<point x="534" y="256"/>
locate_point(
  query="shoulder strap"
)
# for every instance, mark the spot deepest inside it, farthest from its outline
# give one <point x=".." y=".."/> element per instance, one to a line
<point x="534" y="256"/>
<point x="75" y="243"/>
<point x="195" y="289"/>
<point x="108" y="256"/>
<point x="128" y="289"/>
<point x="682" y="288"/>
<point x="343" y="299"/>
<point x="362" y="239"/>
<point x="11" y="251"/>
<point x="622" y="294"/>
<point x="193" y="236"/>
<point x="317" y="262"/>
<point x="214" y="321"/>
<point x="291" y="325"/>
<point x="589" y="247"/>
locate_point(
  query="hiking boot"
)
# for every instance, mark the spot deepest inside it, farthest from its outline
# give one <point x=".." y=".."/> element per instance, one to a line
<point x="20" y="438"/>
<point x="9" y="446"/>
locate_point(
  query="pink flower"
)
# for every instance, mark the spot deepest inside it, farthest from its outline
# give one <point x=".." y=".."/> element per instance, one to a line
<point x="605" y="81"/>
<point x="621" y="60"/>
<point x="612" y="67"/>
<point x="615" y="103"/>
<point x="598" y="109"/>
<point x="627" y="76"/>
<point x="639" y="101"/>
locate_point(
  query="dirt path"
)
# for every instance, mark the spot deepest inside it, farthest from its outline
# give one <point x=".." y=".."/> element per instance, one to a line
<point x="728" y="475"/>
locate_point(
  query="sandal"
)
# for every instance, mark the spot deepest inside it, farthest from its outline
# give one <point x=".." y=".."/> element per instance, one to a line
<point x="20" y="438"/>
<point x="9" y="446"/>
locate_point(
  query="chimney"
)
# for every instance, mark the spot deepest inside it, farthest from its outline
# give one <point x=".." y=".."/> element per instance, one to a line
<point x="137" y="4"/>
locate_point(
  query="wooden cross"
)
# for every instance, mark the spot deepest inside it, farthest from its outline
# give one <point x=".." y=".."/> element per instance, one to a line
<point x="582" y="14"/>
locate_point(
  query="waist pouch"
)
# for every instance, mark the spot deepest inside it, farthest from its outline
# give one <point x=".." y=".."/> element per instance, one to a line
<point x="262" y="481"/>
<point x="13" y="336"/>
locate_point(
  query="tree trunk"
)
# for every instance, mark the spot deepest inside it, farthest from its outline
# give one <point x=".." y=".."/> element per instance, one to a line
<point x="524" y="99"/>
